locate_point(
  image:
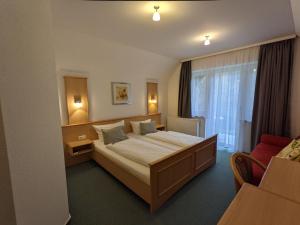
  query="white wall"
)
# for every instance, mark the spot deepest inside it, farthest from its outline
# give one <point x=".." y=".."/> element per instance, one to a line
<point x="104" y="61"/>
<point x="173" y="89"/>
<point x="295" y="98"/>
<point x="30" y="109"/>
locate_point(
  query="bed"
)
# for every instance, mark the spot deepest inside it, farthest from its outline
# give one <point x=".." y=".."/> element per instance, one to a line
<point x="162" y="178"/>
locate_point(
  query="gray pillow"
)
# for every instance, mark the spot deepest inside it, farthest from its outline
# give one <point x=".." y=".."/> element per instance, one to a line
<point x="113" y="135"/>
<point x="147" y="128"/>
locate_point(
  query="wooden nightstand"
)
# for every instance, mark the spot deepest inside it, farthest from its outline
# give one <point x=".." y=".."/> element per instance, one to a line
<point x="76" y="148"/>
<point x="160" y="127"/>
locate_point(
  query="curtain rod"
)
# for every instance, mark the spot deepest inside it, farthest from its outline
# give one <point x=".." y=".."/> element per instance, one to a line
<point x="243" y="47"/>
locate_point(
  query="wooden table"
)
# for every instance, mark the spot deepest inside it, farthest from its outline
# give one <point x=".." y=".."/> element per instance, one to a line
<point x="282" y="177"/>
<point x="254" y="206"/>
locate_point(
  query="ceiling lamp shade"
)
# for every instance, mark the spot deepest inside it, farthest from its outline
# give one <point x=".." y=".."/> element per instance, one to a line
<point x="207" y="41"/>
<point x="156" y="15"/>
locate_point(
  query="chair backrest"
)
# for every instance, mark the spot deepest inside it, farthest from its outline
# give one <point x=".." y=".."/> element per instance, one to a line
<point x="241" y="165"/>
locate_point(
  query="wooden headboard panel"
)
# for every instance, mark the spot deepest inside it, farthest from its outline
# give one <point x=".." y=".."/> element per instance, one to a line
<point x="71" y="132"/>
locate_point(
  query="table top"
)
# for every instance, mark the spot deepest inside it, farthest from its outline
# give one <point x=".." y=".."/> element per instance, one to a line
<point x="73" y="144"/>
<point x="254" y="206"/>
<point x="282" y="177"/>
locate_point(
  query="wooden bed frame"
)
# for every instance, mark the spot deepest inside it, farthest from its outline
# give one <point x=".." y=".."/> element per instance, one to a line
<point x="167" y="175"/>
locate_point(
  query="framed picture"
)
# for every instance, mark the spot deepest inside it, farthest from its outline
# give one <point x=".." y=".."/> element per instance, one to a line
<point x="121" y="93"/>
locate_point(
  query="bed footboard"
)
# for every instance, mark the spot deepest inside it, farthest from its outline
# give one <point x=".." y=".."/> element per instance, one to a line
<point x="169" y="174"/>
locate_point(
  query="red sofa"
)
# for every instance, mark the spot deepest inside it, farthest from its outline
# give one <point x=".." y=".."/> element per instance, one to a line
<point x="269" y="146"/>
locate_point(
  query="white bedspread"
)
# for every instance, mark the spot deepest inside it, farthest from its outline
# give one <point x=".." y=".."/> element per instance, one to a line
<point x="140" y="151"/>
<point x="156" y="142"/>
<point x="180" y="139"/>
<point x="139" y="171"/>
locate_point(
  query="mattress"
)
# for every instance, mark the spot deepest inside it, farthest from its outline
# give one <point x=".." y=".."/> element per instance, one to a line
<point x="139" y="171"/>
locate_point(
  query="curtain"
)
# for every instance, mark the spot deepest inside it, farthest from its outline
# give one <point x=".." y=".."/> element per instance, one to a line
<point x="184" y="96"/>
<point x="223" y="92"/>
<point x="272" y="94"/>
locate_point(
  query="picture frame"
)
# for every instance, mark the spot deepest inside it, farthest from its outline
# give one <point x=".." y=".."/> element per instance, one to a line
<point x="121" y="93"/>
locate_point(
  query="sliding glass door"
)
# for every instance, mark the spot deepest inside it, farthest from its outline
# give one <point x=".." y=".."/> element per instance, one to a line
<point x="224" y="96"/>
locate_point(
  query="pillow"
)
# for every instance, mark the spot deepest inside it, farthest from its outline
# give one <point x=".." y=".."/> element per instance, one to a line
<point x="136" y="125"/>
<point x="113" y="135"/>
<point x="99" y="128"/>
<point x="147" y="128"/>
<point x="291" y="152"/>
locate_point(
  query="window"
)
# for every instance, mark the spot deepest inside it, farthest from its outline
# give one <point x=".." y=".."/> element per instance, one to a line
<point x="224" y="96"/>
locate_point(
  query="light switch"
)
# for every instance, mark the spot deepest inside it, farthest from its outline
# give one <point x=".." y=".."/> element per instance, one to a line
<point x="82" y="137"/>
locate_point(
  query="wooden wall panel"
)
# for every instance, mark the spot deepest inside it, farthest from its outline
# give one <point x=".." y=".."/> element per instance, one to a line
<point x="76" y="86"/>
<point x="152" y="94"/>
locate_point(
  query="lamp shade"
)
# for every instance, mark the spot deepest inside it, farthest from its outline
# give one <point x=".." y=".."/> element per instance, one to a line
<point x="77" y="101"/>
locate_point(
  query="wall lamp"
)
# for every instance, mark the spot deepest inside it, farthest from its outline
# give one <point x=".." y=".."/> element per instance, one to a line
<point x="152" y="99"/>
<point x="77" y="101"/>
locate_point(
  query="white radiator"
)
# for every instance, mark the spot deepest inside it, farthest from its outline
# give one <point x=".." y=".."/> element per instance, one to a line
<point x="195" y="126"/>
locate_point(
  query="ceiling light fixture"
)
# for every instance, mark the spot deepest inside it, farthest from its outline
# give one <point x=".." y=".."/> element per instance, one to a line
<point x="207" y="40"/>
<point x="156" y="16"/>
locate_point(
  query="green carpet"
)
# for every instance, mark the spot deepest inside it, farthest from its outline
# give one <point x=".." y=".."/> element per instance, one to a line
<point x="97" y="198"/>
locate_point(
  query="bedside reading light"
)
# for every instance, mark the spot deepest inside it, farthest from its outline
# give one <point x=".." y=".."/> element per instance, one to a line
<point x="77" y="101"/>
<point x="152" y="99"/>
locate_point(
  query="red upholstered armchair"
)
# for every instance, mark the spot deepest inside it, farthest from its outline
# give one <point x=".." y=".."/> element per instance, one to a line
<point x="269" y="146"/>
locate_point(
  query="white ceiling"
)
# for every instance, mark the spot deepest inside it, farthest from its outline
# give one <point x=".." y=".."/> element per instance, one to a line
<point x="231" y="23"/>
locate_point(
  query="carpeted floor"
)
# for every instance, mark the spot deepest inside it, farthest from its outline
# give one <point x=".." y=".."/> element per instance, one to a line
<point x="97" y="198"/>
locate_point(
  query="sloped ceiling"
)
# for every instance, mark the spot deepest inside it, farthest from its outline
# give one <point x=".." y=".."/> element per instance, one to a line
<point x="231" y="23"/>
<point x="296" y="14"/>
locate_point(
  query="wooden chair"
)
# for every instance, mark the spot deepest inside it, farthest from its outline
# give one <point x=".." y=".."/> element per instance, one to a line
<point x="241" y="165"/>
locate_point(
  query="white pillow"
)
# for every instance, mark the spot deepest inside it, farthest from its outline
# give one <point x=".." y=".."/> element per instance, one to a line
<point x="136" y="125"/>
<point x="99" y="128"/>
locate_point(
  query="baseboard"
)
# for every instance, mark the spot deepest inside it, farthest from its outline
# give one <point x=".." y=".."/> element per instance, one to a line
<point x="69" y="218"/>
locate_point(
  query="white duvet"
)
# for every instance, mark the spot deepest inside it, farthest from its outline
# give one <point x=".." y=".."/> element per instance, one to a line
<point x="140" y="151"/>
<point x="180" y="139"/>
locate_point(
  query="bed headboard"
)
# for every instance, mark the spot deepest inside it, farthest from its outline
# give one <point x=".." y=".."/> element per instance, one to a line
<point x="71" y="132"/>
